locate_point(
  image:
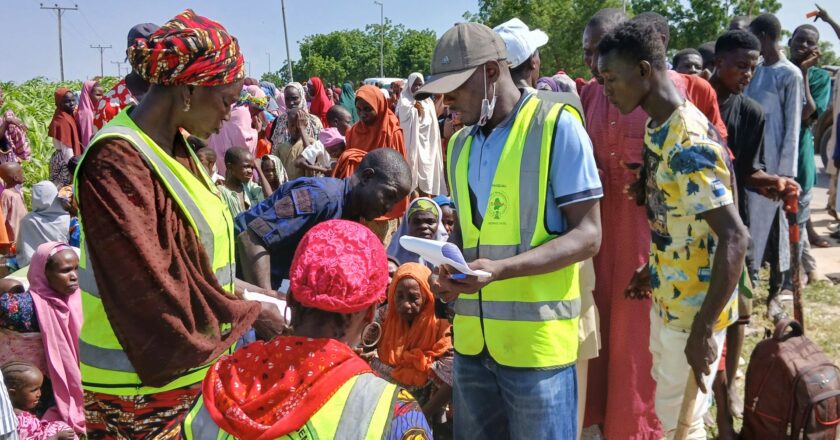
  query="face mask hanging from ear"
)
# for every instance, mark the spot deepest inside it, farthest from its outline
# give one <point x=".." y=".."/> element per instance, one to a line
<point x="487" y="107"/>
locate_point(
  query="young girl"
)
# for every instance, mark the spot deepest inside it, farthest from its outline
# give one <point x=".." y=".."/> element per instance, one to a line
<point x="23" y="381"/>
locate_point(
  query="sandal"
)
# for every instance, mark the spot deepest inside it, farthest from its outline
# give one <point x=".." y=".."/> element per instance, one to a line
<point x="821" y="243"/>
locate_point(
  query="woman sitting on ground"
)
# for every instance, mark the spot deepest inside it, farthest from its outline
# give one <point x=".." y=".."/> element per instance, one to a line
<point x="423" y="219"/>
<point x="313" y="384"/>
<point x="52" y="306"/>
<point x="415" y="350"/>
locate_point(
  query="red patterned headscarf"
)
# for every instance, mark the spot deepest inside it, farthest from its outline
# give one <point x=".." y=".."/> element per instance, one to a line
<point x="339" y="266"/>
<point x="188" y="50"/>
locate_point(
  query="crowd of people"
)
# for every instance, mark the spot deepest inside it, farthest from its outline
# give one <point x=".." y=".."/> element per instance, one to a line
<point x="219" y="257"/>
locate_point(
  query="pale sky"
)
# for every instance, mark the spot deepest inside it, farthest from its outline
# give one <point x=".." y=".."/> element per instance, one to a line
<point x="30" y="39"/>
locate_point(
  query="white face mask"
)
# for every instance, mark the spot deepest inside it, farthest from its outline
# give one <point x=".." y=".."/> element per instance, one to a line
<point x="487" y="107"/>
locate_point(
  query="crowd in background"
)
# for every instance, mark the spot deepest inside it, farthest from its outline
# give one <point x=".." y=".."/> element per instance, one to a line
<point x="209" y="198"/>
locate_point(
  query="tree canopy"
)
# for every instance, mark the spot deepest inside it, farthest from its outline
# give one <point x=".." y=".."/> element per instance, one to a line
<point x="354" y="54"/>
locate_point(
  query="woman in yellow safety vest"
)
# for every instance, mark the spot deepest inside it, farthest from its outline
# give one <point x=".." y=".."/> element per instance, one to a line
<point x="157" y="263"/>
<point x="313" y="384"/>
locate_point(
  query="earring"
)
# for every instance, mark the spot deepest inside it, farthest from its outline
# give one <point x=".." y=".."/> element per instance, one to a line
<point x="374" y="328"/>
<point x="287" y="314"/>
<point x="187" y="105"/>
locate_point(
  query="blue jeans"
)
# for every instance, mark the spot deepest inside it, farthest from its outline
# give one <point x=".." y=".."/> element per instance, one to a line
<point x="497" y="402"/>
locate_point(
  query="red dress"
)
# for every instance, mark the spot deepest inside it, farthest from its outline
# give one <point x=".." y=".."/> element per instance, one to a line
<point x="620" y="389"/>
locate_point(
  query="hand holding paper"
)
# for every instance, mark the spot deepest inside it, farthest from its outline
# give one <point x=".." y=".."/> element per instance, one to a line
<point x="439" y="253"/>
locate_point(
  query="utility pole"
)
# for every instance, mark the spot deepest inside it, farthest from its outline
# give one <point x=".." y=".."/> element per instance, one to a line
<point x="59" y="12"/>
<point x="286" y="38"/>
<point x="119" y="67"/>
<point x="269" y="60"/>
<point x="381" y="38"/>
<point x="101" y="63"/>
<point x="249" y="68"/>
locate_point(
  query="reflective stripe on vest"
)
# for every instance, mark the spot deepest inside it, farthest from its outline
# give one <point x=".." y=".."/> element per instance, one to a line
<point x="105" y="366"/>
<point x="360" y="409"/>
<point x="529" y="322"/>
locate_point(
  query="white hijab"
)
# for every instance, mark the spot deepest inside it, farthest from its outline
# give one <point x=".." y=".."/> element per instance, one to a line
<point x="422" y="140"/>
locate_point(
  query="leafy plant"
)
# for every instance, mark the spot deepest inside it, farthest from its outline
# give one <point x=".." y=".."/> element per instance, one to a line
<point x="34" y="103"/>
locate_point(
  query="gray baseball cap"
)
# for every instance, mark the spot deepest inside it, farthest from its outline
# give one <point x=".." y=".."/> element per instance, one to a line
<point x="460" y="51"/>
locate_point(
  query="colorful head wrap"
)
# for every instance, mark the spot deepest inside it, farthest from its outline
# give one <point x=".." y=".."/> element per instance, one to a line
<point x="424" y="205"/>
<point x="339" y="266"/>
<point x="253" y="96"/>
<point x="188" y="50"/>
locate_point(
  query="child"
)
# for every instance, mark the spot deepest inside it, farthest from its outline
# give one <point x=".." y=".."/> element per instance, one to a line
<point x="23" y="381"/>
<point x="320" y="157"/>
<point x="11" y="199"/>
<point x="239" y="191"/>
<point x="274" y="171"/>
<point x="207" y="157"/>
<point x="448" y="214"/>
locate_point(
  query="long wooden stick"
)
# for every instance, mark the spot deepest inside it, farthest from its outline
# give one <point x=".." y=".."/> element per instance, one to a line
<point x="687" y="409"/>
<point x="791" y="210"/>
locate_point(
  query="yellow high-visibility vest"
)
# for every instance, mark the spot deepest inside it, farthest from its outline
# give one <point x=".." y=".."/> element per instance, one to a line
<point x="361" y="409"/>
<point x="525" y="322"/>
<point x="105" y="367"/>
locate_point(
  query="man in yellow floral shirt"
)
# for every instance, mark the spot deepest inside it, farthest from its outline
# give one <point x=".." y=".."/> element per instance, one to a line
<point x="698" y="241"/>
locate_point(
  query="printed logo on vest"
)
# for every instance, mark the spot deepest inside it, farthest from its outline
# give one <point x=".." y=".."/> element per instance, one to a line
<point x="498" y="205"/>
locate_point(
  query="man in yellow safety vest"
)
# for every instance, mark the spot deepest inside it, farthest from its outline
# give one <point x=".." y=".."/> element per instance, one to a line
<point x="524" y="181"/>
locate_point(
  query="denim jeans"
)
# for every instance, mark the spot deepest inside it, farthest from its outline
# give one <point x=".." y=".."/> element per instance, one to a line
<point x="497" y="402"/>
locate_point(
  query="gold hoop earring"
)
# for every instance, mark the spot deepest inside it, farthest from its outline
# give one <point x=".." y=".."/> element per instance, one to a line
<point x="370" y="328"/>
<point x="186" y="106"/>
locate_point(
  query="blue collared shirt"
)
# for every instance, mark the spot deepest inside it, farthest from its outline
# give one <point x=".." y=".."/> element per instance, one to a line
<point x="573" y="175"/>
<point x="281" y="220"/>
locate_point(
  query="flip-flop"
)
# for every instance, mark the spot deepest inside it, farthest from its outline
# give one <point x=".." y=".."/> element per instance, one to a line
<point x="821" y="243"/>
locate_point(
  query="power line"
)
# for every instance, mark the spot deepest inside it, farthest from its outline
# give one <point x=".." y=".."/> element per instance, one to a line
<point x="119" y="67"/>
<point x="98" y="37"/>
<point x="101" y="50"/>
<point x="59" y="12"/>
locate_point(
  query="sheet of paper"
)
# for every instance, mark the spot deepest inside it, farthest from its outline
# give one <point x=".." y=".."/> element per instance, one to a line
<point x="281" y="304"/>
<point x="440" y="252"/>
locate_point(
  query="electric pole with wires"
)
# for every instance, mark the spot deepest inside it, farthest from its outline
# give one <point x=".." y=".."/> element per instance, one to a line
<point x="101" y="63"/>
<point x="59" y="12"/>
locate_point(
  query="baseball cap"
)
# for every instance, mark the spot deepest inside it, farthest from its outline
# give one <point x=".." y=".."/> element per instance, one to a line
<point x="142" y="30"/>
<point x="460" y="51"/>
<point x="520" y="41"/>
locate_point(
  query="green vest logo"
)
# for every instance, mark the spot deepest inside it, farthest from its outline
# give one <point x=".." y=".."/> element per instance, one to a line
<point x="498" y="205"/>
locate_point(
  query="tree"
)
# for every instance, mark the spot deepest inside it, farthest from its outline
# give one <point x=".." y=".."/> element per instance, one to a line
<point x="562" y="20"/>
<point x="828" y="57"/>
<point x="692" y="22"/>
<point x="695" y="22"/>
<point x="277" y="78"/>
<point x="414" y="52"/>
<point x="354" y="54"/>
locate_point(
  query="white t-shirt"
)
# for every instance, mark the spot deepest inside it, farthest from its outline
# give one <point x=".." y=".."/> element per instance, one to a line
<point x="316" y="154"/>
